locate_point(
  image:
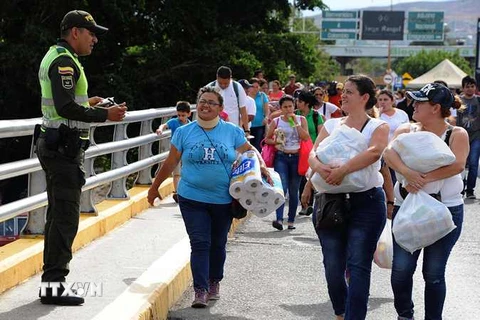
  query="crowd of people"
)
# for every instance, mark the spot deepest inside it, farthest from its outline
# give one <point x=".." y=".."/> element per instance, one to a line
<point x="380" y="116"/>
<point x="238" y="116"/>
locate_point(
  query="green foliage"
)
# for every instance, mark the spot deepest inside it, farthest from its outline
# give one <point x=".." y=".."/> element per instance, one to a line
<point x="156" y="52"/>
<point x="423" y="61"/>
<point x="372" y="67"/>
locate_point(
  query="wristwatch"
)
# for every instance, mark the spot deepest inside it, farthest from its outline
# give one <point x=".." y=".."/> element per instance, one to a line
<point x="390" y="202"/>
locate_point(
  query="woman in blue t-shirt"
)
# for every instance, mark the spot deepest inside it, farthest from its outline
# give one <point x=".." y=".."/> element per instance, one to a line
<point x="207" y="148"/>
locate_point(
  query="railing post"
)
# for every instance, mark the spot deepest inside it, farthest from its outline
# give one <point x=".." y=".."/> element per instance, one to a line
<point x="87" y="205"/>
<point x="118" y="188"/>
<point x="36" y="184"/>
<point x="144" y="152"/>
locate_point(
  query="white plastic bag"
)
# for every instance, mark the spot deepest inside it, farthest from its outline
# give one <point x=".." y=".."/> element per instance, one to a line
<point x="342" y="145"/>
<point x="383" y="256"/>
<point x="411" y="148"/>
<point x="421" y="221"/>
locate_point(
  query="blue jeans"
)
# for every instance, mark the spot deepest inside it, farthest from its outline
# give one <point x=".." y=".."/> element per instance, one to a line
<point x="351" y="247"/>
<point x="287" y="167"/>
<point x="472" y="163"/>
<point x="207" y="227"/>
<point x="435" y="259"/>
<point x="258" y="134"/>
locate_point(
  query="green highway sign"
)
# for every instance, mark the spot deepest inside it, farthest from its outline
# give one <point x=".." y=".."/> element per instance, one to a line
<point x="425" y="27"/>
<point x="339" y="14"/>
<point x="338" y="35"/>
<point x="426" y="16"/>
<point x="339" y="25"/>
<point x="425" y="36"/>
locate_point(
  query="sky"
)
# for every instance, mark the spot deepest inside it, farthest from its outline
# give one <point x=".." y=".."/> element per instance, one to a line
<point x="360" y="4"/>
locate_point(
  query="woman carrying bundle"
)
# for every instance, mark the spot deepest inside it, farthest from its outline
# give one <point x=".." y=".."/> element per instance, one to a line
<point x="351" y="246"/>
<point x="431" y="107"/>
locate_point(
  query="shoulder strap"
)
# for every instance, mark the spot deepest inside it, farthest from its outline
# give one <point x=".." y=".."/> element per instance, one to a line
<point x="235" y="88"/>
<point x="325" y="109"/>
<point x="365" y="124"/>
<point x="448" y="134"/>
<point x="315" y="117"/>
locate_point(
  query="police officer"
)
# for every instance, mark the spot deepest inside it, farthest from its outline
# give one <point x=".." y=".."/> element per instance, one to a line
<point x="63" y="138"/>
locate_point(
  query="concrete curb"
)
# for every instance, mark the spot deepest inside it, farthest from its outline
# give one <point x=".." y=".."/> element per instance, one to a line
<point x="166" y="293"/>
<point x="23" y="258"/>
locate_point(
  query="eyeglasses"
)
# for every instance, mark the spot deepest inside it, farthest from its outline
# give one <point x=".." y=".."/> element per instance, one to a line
<point x="318" y="94"/>
<point x="210" y="103"/>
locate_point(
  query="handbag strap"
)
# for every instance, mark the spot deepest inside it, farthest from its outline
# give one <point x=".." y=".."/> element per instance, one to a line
<point x="215" y="150"/>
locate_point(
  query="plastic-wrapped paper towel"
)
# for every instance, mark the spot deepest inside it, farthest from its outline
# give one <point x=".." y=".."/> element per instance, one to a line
<point x="246" y="176"/>
<point x="265" y="198"/>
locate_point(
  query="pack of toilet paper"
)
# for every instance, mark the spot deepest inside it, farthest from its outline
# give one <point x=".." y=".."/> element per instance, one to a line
<point x="251" y="190"/>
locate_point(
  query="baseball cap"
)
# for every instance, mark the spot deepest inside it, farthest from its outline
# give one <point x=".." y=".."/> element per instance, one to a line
<point x="245" y="84"/>
<point x="434" y="92"/>
<point x="81" y="19"/>
<point x="339" y="86"/>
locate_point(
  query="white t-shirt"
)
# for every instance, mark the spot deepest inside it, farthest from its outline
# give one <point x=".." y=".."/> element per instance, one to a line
<point x="251" y="108"/>
<point x="327" y="108"/>
<point x="375" y="180"/>
<point x="230" y="103"/>
<point x="395" y="120"/>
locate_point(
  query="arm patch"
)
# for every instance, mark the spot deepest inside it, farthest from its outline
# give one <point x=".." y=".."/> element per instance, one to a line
<point x="65" y="71"/>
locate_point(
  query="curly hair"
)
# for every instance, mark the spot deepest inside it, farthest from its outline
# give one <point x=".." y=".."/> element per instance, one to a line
<point x="209" y="89"/>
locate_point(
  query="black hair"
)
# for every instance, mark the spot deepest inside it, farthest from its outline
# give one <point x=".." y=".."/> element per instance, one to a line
<point x="224" y="72"/>
<point x="208" y="89"/>
<point x="468" y="80"/>
<point x="286" y="97"/>
<point x="365" y="85"/>
<point x="308" y="98"/>
<point x="183" y="106"/>
<point x="254" y="80"/>
<point x="257" y="72"/>
<point x="441" y="82"/>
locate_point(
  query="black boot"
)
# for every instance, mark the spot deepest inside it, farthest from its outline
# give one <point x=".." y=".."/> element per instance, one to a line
<point x="68" y="299"/>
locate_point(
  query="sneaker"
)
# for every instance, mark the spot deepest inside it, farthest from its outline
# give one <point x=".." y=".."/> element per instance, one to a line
<point x="303" y="212"/>
<point x="277" y="225"/>
<point x="470" y="195"/>
<point x="175" y="197"/>
<point x="201" y="298"/>
<point x="213" y="290"/>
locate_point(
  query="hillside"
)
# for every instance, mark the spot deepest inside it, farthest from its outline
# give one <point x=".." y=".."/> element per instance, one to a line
<point x="460" y="15"/>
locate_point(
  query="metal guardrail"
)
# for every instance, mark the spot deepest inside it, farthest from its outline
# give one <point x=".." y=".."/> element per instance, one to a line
<point x="36" y="200"/>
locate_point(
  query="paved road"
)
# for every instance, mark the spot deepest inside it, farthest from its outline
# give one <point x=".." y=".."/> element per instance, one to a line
<point x="279" y="275"/>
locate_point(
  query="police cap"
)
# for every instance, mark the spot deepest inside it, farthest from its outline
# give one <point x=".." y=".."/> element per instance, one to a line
<point x="81" y="19"/>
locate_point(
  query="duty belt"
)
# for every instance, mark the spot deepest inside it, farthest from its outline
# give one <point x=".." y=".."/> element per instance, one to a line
<point x="83" y="127"/>
<point x="84" y="133"/>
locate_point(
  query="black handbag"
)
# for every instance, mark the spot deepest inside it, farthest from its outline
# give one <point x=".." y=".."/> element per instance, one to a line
<point x="237" y="211"/>
<point x="333" y="210"/>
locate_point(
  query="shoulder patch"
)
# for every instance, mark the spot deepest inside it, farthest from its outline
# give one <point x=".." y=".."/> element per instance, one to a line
<point x="61" y="50"/>
<point x="67" y="82"/>
<point x="65" y="70"/>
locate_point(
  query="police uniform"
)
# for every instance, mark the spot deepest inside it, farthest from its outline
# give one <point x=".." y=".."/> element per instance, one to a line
<point x="61" y="146"/>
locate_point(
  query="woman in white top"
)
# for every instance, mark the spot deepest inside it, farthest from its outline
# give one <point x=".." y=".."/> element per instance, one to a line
<point x="388" y="113"/>
<point x="431" y="107"/>
<point x="352" y="245"/>
<point x="292" y="128"/>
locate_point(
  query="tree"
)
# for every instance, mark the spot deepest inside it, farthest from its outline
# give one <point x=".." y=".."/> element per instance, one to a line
<point x="424" y="61"/>
<point x="157" y="52"/>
